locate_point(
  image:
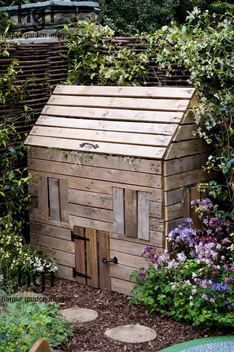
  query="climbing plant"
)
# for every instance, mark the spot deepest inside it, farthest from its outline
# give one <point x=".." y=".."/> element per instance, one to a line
<point x="95" y="59"/>
<point x="16" y="257"/>
<point x="203" y="45"/>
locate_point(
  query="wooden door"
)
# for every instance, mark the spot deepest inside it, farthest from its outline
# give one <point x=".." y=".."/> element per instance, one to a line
<point x="91" y="246"/>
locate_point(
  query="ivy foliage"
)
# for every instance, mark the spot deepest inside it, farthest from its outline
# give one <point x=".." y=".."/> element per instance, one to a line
<point x="129" y="17"/>
<point x="94" y="58"/>
<point x="203" y="45"/>
<point x="15" y="255"/>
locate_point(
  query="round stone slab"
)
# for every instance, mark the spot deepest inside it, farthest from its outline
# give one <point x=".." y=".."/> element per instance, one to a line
<point x="79" y="315"/>
<point x="131" y="333"/>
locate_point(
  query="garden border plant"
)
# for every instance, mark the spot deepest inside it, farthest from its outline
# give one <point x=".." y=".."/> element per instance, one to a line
<point x="16" y="257"/>
<point x="193" y="281"/>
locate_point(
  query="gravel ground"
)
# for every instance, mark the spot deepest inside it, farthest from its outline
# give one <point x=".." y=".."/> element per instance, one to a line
<point x="114" y="309"/>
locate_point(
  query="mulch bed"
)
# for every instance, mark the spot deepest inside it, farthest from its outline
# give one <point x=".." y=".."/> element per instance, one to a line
<point x="114" y="309"/>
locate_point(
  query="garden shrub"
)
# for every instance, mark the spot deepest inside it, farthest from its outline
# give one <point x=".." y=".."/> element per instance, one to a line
<point x="22" y="323"/>
<point x="193" y="281"/>
<point x="94" y="59"/>
<point x="203" y="45"/>
<point x="18" y="262"/>
<point x="129" y="17"/>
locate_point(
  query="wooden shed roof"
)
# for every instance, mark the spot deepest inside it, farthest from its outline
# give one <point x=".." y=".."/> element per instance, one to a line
<point x="129" y="121"/>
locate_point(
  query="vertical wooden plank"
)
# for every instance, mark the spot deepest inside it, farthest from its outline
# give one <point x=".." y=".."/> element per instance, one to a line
<point x="195" y="194"/>
<point x="187" y="201"/>
<point x="91" y="257"/>
<point x="54" y="199"/>
<point x="63" y="195"/>
<point x="143" y="215"/>
<point x="43" y="207"/>
<point x="118" y="210"/>
<point x="104" y="252"/>
<point x="80" y="254"/>
<point x="130" y="212"/>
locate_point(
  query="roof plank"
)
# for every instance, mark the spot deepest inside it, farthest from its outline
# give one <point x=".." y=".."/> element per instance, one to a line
<point x="140" y="92"/>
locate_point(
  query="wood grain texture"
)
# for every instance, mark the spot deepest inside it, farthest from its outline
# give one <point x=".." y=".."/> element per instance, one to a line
<point x="123" y="103"/>
<point x="166" y="129"/>
<point x="103" y="147"/>
<point x="80" y="254"/>
<point x="143" y="216"/>
<point x="43" y="200"/>
<point x="97" y="160"/>
<point x="91" y="257"/>
<point x="113" y="114"/>
<point x="150" y="92"/>
<point x="121" y="286"/>
<point x="63" y="196"/>
<point x="54" y="199"/>
<point x="89" y="172"/>
<point x="130" y="213"/>
<point x="102" y="136"/>
<point x="118" y="210"/>
<point x="104" y="252"/>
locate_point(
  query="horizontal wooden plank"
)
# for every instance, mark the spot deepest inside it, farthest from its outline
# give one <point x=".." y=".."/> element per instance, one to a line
<point x="99" y="160"/>
<point x="103" y="147"/>
<point x="122" y="103"/>
<point x="187" y="163"/>
<point x="64" y="258"/>
<point x="121" y="286"/>
<point x="97" y="200"/>
<point x="65" y="272"/>
<point x="118" y="126"/>
<point x="174" y="196"/>
<point x="149" y="92"/>
<point x="156" y="225"/>
<point x="90" y="223"/>
<point x="128" y="259"/>
<point x="113" y="114"/>
<point x="91" y="213"/>
<point x="48" y="230"/>
<point x="174" y="211"/>
<point x="99" y="186"/>
<point x="156" y="239"/>
<point x="184" y="148"/>
<point x="35" y="216"/>
<point x="101" y="136"/>
<point x="126" y="247"/>
<point x="185" y="179"/>
<point x="90" y="172"/>
<point x="122" y="272"/>
<point x="52" y="242"/>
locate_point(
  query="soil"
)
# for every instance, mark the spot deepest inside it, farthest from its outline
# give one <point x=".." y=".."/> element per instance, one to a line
<point x="113" y="310"/>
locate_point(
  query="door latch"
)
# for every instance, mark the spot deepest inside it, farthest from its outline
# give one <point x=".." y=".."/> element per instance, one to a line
<point x="113" y="260"/>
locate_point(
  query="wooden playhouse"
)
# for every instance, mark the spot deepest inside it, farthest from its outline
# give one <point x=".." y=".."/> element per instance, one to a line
<point x="113" y="169"/>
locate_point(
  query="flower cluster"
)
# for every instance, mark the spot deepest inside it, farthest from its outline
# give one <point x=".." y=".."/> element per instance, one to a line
<point x="195" y="275"/>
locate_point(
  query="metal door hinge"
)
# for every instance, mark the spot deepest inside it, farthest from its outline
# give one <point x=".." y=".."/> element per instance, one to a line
<point x="77" y="273"/>
<point x="74" y="237"/>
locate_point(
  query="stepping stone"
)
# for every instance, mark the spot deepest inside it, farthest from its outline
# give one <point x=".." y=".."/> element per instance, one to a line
<point x="131" y="333"/>
<point x="79" y="315"/>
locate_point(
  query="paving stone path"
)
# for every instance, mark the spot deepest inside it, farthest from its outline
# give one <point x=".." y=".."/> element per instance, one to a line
<point x="79" y="315"/>
<point x="134" y="333"/>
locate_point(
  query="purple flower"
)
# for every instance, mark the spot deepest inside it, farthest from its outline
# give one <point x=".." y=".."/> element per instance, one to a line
<point x="229" y="280"/>
<point x="220" y="287"/>
<point x="204" y="283"/>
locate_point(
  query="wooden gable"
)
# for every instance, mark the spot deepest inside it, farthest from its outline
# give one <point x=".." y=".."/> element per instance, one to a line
<point x="128" y="121"/>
